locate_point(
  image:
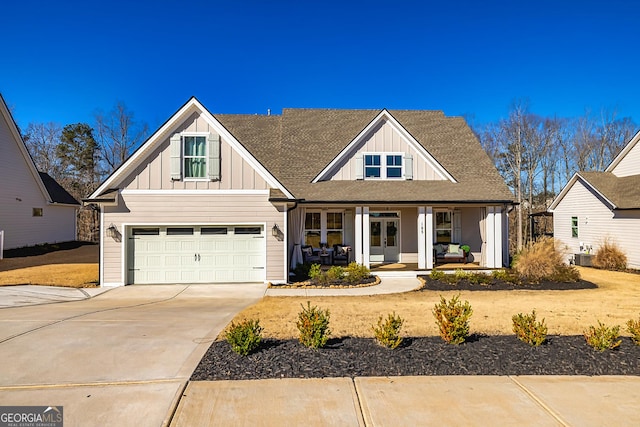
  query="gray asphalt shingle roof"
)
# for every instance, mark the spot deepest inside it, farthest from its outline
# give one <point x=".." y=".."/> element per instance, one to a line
<point x="296" y="146"/>
<point x="623" y="192"/>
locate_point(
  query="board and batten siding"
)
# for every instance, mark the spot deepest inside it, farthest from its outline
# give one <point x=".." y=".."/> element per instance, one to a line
<point x="629" y="164"/>
<point x="596" y="222"/>
<point x="154" y="173"/>
<point x="384" y="139"/>
<point x="20" y="193"/>
<point x="207" y="209"/>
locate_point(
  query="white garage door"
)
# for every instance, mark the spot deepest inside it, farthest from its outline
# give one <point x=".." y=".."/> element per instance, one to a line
<point x="200" y="254"/>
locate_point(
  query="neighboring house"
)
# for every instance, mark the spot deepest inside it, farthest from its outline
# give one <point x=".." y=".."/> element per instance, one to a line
<point x="595" y="206"/>
<point x="232" y="198"/>
<point x="34" y="209"/>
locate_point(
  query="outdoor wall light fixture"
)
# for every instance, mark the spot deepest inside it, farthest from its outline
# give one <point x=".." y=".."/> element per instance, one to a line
<point x="275" y="231"/>
<point x="112" y="231"/>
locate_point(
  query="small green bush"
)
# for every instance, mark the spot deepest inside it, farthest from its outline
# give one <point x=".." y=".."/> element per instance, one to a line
<point x="460" y="274"/>
<point x="528" y="329"/>
<point x="387" y="333"/>
<point x="452" y="318"/>
<point x="478" y="278"/>
<point x="302" y="271"/>
<point x="505" y="276"/>
<point x="603" y="337"/>
<point x="335" y="273"/>
<point x="316" y="274"/>
<point x="437" y="274"/>
<point x="313" y="325"/>
<point x="610" y="257"/>
<point x="356" y="273"/>
<point x="633" y="326"/>
<point x="244" y="337"/>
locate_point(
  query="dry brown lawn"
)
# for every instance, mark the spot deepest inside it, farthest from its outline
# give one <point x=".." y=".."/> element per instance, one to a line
<point x="616" y="300"/>
<point x="73" y="268"/>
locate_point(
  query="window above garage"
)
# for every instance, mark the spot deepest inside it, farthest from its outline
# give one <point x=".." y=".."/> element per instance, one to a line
<point x="195" y="156"/>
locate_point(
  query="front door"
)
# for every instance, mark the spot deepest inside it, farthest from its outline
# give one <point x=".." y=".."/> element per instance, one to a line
<point x="384" y="245"/>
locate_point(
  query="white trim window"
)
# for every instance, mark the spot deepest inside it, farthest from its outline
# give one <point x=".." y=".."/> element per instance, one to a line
<point x="324" y="227"/>
<point x="195" y="156"/>
<point x="443" y="226"/>
<point x="384" y="166"/>
<point x="312" y="229"/>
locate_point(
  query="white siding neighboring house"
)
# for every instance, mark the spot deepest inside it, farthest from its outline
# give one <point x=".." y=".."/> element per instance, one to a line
<point x="595" y="206"/>
<point x="34" y="209"/>
<point x="216" y="198"/>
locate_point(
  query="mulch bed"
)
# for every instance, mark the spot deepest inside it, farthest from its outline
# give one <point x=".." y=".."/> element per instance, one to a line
<point x="500" y="285"/>
<point x="480" y="355"/>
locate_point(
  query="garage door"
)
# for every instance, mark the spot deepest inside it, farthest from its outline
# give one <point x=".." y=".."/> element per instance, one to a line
<point x="203" y="254"/>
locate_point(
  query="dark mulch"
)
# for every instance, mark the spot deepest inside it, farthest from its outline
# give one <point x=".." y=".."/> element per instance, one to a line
<point x="501" y="285"/>
<point x="481" y="355"/>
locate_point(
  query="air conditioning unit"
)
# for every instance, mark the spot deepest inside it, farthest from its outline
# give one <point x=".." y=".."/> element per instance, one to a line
<point x="583" y="260"/>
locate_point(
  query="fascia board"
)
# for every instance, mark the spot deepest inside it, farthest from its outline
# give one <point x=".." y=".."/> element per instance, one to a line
<point x="409" y="139"/>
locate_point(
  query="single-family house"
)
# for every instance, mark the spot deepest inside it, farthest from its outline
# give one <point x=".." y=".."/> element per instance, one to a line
<point x="234" y="198"/>
<point x="596" y="206"/>
<point x="34" y="208"/>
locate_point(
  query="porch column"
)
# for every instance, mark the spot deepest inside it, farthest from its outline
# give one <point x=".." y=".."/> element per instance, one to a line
<point x="491" y="238"/>
<point x="428" y="228"/>
<point x="499" y="262"/>
<point x="366" y="237"/>
<point x="358" y="234"/>
<point x="422" y="241"/>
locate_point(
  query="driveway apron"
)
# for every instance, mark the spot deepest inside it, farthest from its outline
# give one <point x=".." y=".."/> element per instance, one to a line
<point x="121" y="358"/>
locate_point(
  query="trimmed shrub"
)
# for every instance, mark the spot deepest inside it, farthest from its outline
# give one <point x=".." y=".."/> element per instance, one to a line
<point x="633" y="326"/>
<point x="437" y="274"/>
<point x="610" y="257"/>
<point x="603" y="337"/>
<point x="452" y="318"/>
<point x="460" y="274"/>
<point x="316" y="274"/>
<point x="387" y="333"/>
<point x="302" y="271"/>
<point x="313" y="325"/>
<point x="528" y="329"/>
<point x="244" y="337"/>
<point x="356" y="273"/>
<point x="542" y="260"/>
<point x="335" y="273"/>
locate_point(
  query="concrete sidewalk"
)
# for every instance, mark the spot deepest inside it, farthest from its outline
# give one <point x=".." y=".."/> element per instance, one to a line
<point x="414" y="401"/>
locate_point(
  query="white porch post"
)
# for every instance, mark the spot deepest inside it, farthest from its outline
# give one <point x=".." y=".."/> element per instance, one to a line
<point x="366" y="237"/>
<point x="358" y="229"/>
<point x="505" y="236"/>
<point x="422" y="241"/>
<point x="499" y="262"/>
<point x="491" y="238"/>
<point x="428" y="228"/>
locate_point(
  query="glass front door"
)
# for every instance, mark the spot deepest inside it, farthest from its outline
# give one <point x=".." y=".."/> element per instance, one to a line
<point x="384" y="233"/>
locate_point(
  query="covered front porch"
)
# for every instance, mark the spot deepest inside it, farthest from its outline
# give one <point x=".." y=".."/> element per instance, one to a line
<point x="402" y="237"/>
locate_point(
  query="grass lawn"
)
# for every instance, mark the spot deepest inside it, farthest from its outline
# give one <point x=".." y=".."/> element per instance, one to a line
<point x="76" y="268"/>
<point x="616" y="300"/>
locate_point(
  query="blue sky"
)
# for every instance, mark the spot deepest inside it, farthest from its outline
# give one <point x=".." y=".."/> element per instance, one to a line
<point x="63" y="60"/>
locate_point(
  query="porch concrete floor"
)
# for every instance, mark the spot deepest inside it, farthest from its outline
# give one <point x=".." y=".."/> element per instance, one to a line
<point x="414" y="267"/>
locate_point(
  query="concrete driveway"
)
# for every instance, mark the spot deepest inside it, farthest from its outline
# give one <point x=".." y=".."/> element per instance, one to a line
<point x="120" y="358"/>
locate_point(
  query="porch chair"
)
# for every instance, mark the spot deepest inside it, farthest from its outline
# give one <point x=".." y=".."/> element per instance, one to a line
<point x="309" y="255"/>
<point x="341" y="253"/>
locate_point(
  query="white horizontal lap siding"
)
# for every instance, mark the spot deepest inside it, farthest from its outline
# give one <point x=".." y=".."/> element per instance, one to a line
<point x="20" y="193"/>
<point x="630" y="164"/>
<point x="207" y="209"/>
<point x="595" y="223"/>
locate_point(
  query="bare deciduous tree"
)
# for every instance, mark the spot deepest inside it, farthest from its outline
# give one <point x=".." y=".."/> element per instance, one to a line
<point x="118" y="134"/>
